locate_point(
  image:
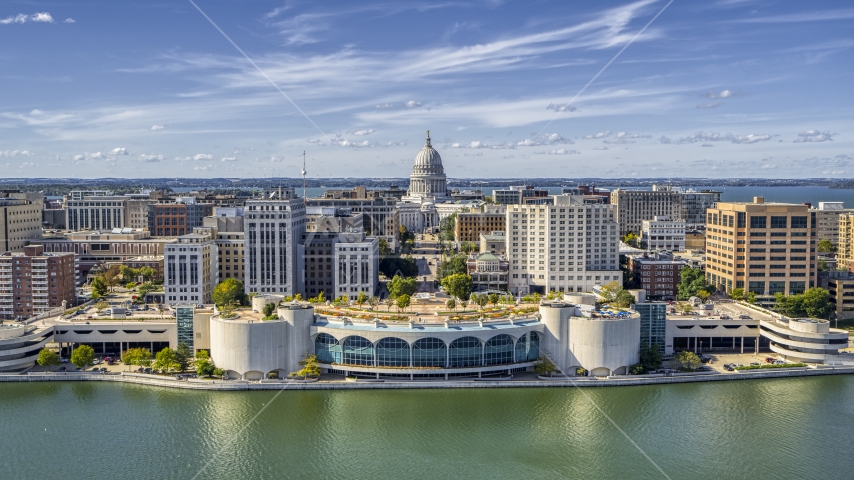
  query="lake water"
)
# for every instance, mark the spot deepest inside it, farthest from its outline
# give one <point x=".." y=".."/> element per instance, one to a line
<point x="787" y="428"/>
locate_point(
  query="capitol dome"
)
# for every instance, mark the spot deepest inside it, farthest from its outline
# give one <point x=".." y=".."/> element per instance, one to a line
<point x="428" y="175"/>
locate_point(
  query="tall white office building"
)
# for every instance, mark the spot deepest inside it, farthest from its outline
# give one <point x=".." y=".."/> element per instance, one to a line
<point x="190" y="270"/>
<point x="569" y="246"/>
<point x="273" y="229"/>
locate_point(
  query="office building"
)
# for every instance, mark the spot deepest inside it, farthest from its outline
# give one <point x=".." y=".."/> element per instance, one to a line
<point x="658" y="273"/>
<point x="81" y="194"/>
<point x="190" y="269"/>
<point x="381" y="215"/>
<point x="100" y="212"/>
<point x="138" y="209"/>
<point x="20" y="219"/>
<point x="635" y="206"/>
<point x="840" y="285"/>
<point x="827" y="220"/>
<point x="228" y="228"/>
<point x="568" y="246"/>
<point x="764" y="248"/>
<point x="33" y="282"/>
<point x="273" y="228"/>
<point x="653" y="320"/>
<point x="519" y="194"/>
<point x="94" y="248"/>
<point x="469" y="226"/>
<point x="694" y="205"/>
<point x="176" y="219"/>
<point x="357" y="263"/>
<point x="663" y="233"/>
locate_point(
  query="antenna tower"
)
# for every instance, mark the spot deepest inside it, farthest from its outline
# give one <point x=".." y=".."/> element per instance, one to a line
<point x="303" y="178"/>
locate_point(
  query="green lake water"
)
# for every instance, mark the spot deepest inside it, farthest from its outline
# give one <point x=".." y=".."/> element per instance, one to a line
<point x="789" y="428"/>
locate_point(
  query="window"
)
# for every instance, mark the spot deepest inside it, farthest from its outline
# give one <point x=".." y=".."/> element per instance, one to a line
<point x="498" y="350"/>
<point x="779" y="222"/>
<point x="758" y="222"/>
<point x="465" y="352"/>
<point x="799" y="222"/>
<point x="428" y="352"/>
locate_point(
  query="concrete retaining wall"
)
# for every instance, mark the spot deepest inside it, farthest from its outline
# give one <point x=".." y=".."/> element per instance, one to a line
<point x="390" y="384"/>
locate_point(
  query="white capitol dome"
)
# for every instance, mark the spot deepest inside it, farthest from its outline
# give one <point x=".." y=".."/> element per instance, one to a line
<point x="428" y="175"/>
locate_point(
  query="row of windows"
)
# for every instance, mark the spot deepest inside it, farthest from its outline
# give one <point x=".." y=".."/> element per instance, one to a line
<point x="427" y="352"/>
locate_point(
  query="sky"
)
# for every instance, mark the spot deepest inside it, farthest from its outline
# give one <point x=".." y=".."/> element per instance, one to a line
<point x="714" y="89"/>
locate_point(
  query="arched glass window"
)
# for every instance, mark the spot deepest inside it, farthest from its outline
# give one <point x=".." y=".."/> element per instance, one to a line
<point x="498" y="350"/>
<point x="465" y="352"/>
<point x="528" y="347"/>
<point x="358" y="351"/>
<point x="392" y="352"/>
<point x="327" y="349"/>
<point x="429" y="352"/>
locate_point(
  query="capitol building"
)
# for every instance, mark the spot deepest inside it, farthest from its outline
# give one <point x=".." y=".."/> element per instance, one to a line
<point x="428" y="186"/>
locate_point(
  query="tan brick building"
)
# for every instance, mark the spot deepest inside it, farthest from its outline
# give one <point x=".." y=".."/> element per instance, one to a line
<point x="468" y="226"/>
<point x="765" y="248"/>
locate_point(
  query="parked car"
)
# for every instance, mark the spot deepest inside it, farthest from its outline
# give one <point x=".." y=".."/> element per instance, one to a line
<point x="729" y="368"/>
<point x="62" y="369"/>
<point x="704" y="368"/>
<point x="63" y="360"/>
<point x="745" y="317"/>
<point x="103" y="369"/>
<point x="147" y="370"/>
<point x="726" y="317"/>
<point x="754" y="363"/>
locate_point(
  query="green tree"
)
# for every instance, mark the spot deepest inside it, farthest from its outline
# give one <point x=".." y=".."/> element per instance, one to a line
<point x="609" y="291"/>
<point x="464" y="304"/>
<point x="113" y="276"/>
<point x="650" y="357"/>
<point x="373" y="302"/>
<point x="481" y="300"/>
<point x="467" y="247"/>
<point x="269" y="309"/>
<point x="624" y="299"/>
<point x="446" y="227"/>
<point x="704" y="295"/>
<point x="361" y="299"/>
<point x="218" y="372"/>
<point x="544" y="367"/>
<point x="816" y="303"/>
<point x="147" y="273"/>
<point x="401" y="286"/>
<point x="451" y="304"/>
<point x="454" y="265"/>
<point x="493" y="299"/>
<point x="101" y="306"/>
<point x="99" y="288"/>
<point x="166" y="360"/>
<point x="691" y="281"/>
<point x="204" y="367"/>
<point x="631" y="240"/>
<point x="228" y="292"/>
<point x="389" y="301"/>
<point x="826" y="246"/>
<point x="385" y="248"/>
<point x="405" y="266"/>
<point x="310" y="368"/>
<point x="127" y="273"/>
<point x="83" y="356"/>
<point x="458" y="285"/>
<point x="737" y="294"/>
<point x="822" y="265"/>
<point x="403" y="301"/>
<point x="687" y="361"/>
<point x="751" y="297"/>
<point x="48" y="358"/>
<point x="137" y="356"/>
<point x="183" y="354"/>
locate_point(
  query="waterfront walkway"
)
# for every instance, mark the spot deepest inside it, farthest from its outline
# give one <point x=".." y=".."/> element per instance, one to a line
<point x="201" y="384"/>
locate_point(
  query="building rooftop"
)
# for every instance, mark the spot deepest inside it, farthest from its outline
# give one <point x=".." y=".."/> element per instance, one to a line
<point x="502" y="324"/>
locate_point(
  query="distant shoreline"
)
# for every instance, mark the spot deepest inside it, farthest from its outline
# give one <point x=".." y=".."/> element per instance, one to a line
<point x="373" y="385"/>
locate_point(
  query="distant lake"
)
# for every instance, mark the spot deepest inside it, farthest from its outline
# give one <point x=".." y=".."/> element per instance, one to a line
<point x="811" y="195"/>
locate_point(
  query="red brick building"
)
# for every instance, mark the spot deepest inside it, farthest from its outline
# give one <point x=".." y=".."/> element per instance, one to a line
<point x="33" y="282"/>
<point x="658" y="274"/>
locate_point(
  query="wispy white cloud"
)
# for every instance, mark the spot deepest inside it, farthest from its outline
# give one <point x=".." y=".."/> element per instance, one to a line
<point x="155" y="128"/>
<point x="363" y="131"/>
<point x="229" y="159"/>
<point x="606" y="133"/>
<point x="624" y="138"/>
<point x="202" y="156"/>
<point x="721" y="94"/>
<point x="412" y="104"/>
<point x="563" y="151"/>
<point x="119" y="151"/>
<point x="203" y="169"/>
<point x="814" y="136"/>
<point x="15" y="153"/>
<point x="40" y="17"/>
<point x="717" y="137"/>
<point x="561" y="107"/>
<point x="149" y="158"/>
<point x="813" y="16"/>
<point x="710" y="105"/>
<point x="69" y="20"/>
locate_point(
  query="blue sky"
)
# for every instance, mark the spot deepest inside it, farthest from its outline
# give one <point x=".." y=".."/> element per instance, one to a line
<point x="727" y="88"/>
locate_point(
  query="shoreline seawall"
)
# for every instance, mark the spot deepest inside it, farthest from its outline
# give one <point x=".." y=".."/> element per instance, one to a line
<point x="417" y="384"/>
